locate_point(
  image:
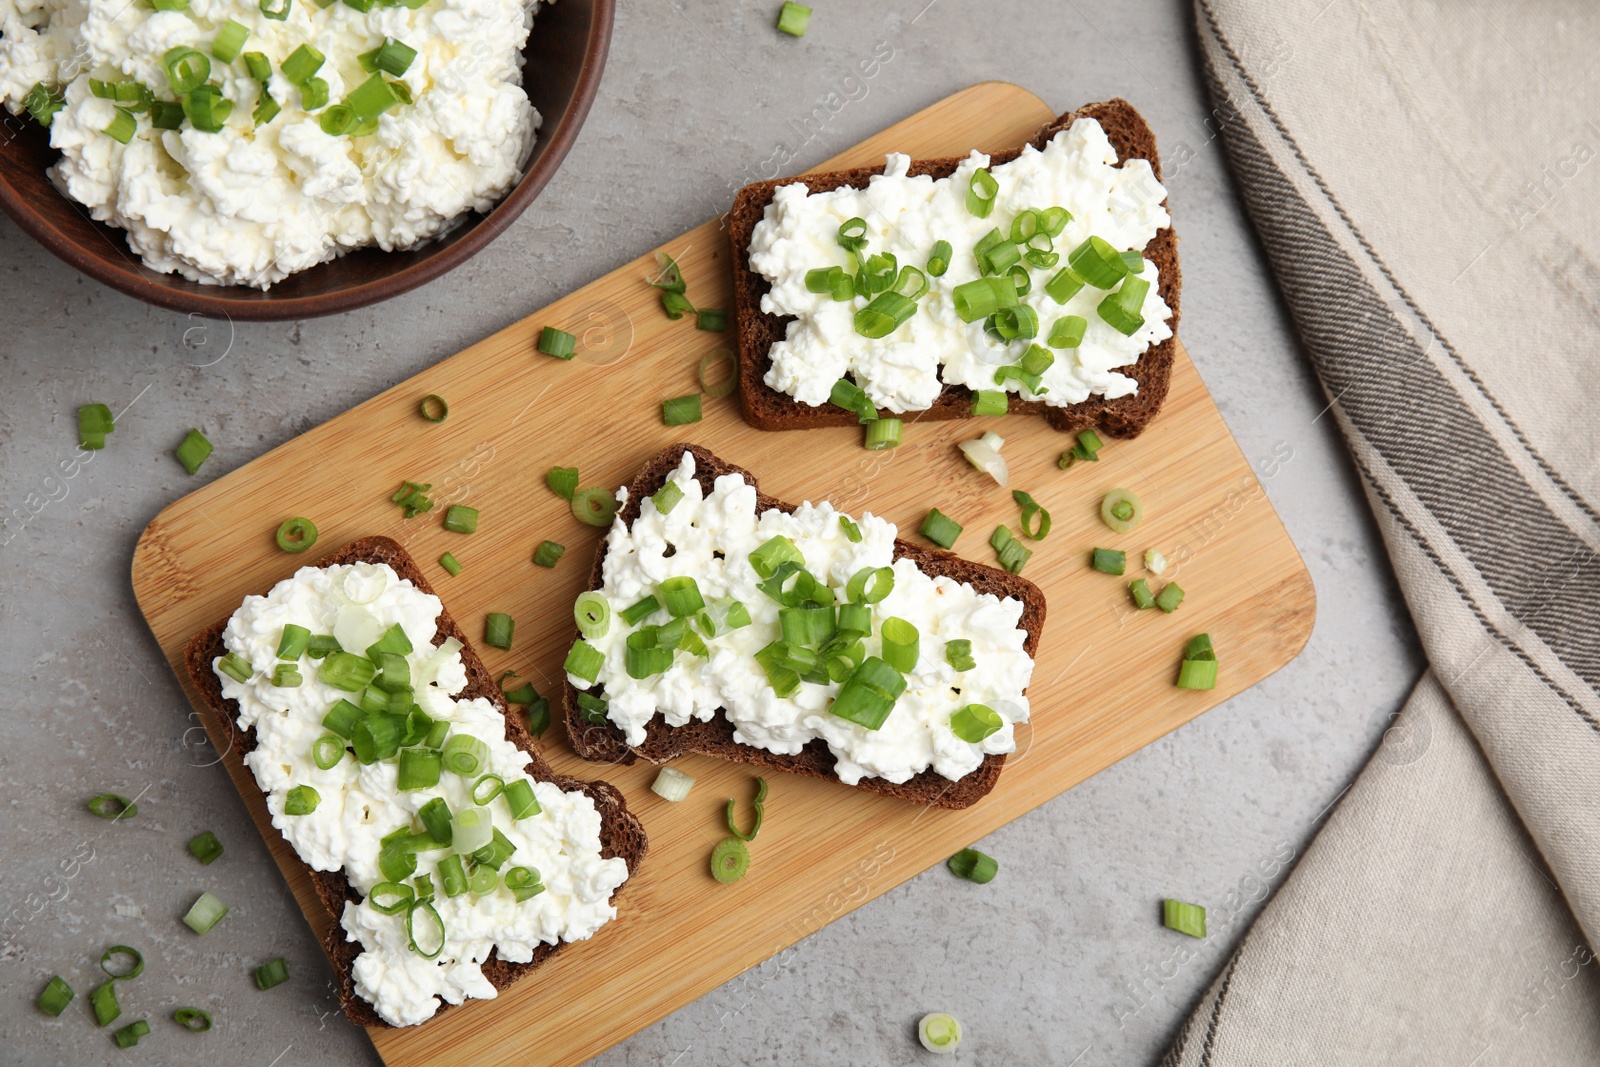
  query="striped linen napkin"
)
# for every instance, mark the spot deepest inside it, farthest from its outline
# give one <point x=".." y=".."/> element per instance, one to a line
<point x="1424" y="177"/>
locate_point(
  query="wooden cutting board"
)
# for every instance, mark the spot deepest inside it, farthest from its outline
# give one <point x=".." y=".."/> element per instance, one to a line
<point x="1103" y="686"/>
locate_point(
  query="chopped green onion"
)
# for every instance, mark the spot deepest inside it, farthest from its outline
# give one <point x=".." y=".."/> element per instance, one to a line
<point x="793" y="18"/>
<point x="205" y="847"/>
<point x="759" y="804"/>
<point x="676" y="305"/>
<point x="1170" y="597"/>
<point x="103" y="998"/>
<point x="1197" y="674"/>
<point x="939" y="259"/>
<point x="495" y="852"/>
<point x="723" y="386"/>
<point x="347" y="671"/>
<point x="1068" y="331"/>
<point x="258" y="66"/>
<point x="128" y="1036"/>
<point x="497" y="629"/>
<point x="867" y="697"/>
<point x="296" y="534"/>
<point x="337" y="121"/>
<point x="958" y="653"/>
<point x="327" y="751"/>
<point x="520" y="799"/>
<point x="486" y="788"/>
<point x="301" y="64"/>
<point x="187" y="68"/>
<point x="192" y="1019"/>
<point x="301" y="800"/>
<point x="377" y="737"/>
<point x="419" y="769"/>
<point x="1199" y="648"/>
<point x="773" y="553"/>
<point x="373" y="97"/>
<point x="641" y="611"/>
<point x="940" y="528"/>
<point x="771" y="658"/>
<point x="1185" y="918"/>
<point x="194" y="449"/>
<point x="229" y="41"/>
<point x="1016" y="323"/>
<point x="203" y="914"/>
<point x="852" y="532"/>
<point x="850" y="396"/>
<point x="1036" y="531"/>
<point x="584" y="661"/>
<point x="995" y="254"/>
<point x="853" y="234"/>
<point x="449" y="562"/>
<point x="390" y="898"/>
<point x="557" y="343"/>
<point x="1121" y="510"/>
<point x="471" y="829"/>
<point x="57" y="994"/>
<point x="593" y="612"/>
<point x="730" y="860"/>
<point x="122" y="129"/>
<point x="286" y="676"/>
<point x="981" y="193"/>
<point x="453" y="874"/>
<point x="975" y="722"/>
<point x="807" y="626"/>
<point x="458" y="518"/>
<point x="714" y="320"/>
<point x="1122" y="309"/>
<point x="1064" y="286"/>
<point x="670" y="276"/>
<point x="982" y="297"/>
<point x="644" y="655"/>
<point x="394" y="57"/>
<point x="343" y="718"/>
<point x="902" y="644"/>
<point x="682" y="597"/>
<point x="273" y="972"/>
<point x="593" y="709"/>
<point x="1087" y="447"/>
<point x="885" y="314"/>
<point x="293" y="641"/>
<point x="112" y="806"/>
<point x="939" y="1032"/>
<point x="466" y="755"/>
<point x="207" y="109"/>
<point x="411" y="496"/>
<point x="1013" y="554"/>
<point x="1154" y="561"/>
<point x="235" y="667"/>
<point x="434" y="408"/>
<point x="135" y="968"/>
<point x="594" y="506"/>
<point x="1133" y="260"/>
<point x="869" y="585"/>
<point x="523" y="883"/>
<point x="666" y="498"/>
<point x="548" y="554"/>
<point x="973" y="865"/>
<point x="1109" y="560"/>
<point x="989" y="402"/>
<point x="94" y="422"/>
<point x="1142" y="596"/>
<point x="682" y="410"/>
<point x="42" y="102"/>
<point x="1097" y="263"/>
<point x="525" y="694"/>
<point x="435" y="816"/>
<point x="882" y="434"/>
<point x="671" y="784"/>
<point x="563" y="481"/>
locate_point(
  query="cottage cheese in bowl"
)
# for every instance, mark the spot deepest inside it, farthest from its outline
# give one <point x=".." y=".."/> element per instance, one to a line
<point x="268" y="195"/>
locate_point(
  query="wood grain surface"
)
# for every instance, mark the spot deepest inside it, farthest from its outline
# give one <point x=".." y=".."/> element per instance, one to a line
<point x="1103" y="686"/>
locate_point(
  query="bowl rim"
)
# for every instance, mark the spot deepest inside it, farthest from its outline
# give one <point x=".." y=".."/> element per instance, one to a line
<point x="215" y="301"/>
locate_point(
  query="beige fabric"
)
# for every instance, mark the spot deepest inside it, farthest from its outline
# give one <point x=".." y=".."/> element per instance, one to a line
<point x="1423" y="178"/>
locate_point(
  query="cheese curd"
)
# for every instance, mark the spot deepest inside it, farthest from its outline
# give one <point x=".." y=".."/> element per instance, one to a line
<point x="906" y="216"/>
<point x="710" y="539"/>
<point x="251" y="205"/>
<point x="360" y="804"/>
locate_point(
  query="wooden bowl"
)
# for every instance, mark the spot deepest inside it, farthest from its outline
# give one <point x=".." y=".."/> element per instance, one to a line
<point x="565" y="55"/>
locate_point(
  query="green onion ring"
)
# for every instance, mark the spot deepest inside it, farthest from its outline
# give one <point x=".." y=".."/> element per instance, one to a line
<point x="411" y="934"/>
<point x="760" y="806"/>
<point x="434" y="408"/>
<point x="122" y="950"/>
<point x="496" y="783"/>
<point x="724" y="386"/>
<point x="594" y="506"/>
<point x="124" y="808"/>
<point x="297" y="534"/>
<point x="192" y="1019"/>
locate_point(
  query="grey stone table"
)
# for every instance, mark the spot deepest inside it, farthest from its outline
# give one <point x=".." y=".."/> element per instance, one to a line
<point x="1060" y="960"/>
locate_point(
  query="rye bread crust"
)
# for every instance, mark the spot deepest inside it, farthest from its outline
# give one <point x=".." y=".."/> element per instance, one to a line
<point x="621" y="833"/>
<point x="715" y="736"/>
<point x="767" y="409"/>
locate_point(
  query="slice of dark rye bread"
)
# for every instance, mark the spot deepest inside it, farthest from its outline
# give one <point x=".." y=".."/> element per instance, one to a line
<point x="714" y="737"/>
<point x="621" y="833"/>
<point x="767" y="409"/>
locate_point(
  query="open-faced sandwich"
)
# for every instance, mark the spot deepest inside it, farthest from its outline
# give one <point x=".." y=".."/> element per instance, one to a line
<point x="724" y="622"/>
<point x="1043" y="279"/>
<point x="450" y="858"/>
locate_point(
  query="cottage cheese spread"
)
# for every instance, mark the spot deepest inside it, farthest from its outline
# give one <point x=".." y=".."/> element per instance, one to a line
<point x="711" y="538"/>
<point x="906" y="216"/>
<point x="250" y="206"/>
<point x="360" y="804"/>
